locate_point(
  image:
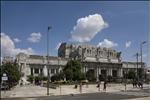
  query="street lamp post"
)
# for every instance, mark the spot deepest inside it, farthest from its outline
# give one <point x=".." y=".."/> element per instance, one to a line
<point x="141" y="51"/>
<point x="48" y="59"/>
<point x="137" y="56"/>
<point x="126" y="71"/>
<point x="59" y="72"/>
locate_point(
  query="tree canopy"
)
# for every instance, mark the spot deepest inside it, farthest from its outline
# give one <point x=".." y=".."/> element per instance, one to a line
<point x="72" y="71"/>
<point x="11" y="71"/>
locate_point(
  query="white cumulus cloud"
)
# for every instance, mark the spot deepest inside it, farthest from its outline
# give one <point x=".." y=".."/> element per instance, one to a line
<point x="34" y="37"/>
<point x="87" y="27"/>
<point x="128" y="44"/>
<point x="8" y="47"/>
<point x="107" y="43"/>
<point x="58" y="45"/>
<point x="16" y="40"/>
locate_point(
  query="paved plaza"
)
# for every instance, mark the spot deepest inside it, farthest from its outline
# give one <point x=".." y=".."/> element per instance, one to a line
<point x="38" y="91"/>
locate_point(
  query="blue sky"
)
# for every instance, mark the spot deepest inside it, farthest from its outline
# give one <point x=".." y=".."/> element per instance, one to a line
<point x="127" y="22"/>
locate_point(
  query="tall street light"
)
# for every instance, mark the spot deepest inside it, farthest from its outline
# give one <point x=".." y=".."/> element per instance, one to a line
<point x="49" y="28"/>
<point x="126" y="71"/>
<point x="141" y="51"/>
<point x="137" y="74"/>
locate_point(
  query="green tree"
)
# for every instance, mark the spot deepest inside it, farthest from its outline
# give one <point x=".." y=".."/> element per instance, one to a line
<point x="30" y="78"/>
<point x="57" y="77"/>
<point x="131" y="74"/>
<point x="12" y="72"/>
<point x="72" y="71"/>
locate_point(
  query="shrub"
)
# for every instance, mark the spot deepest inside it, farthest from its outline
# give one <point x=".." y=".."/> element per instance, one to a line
<point x="68" y="82"/>
<point x="44" y="78"/>
<point x="131" y="75"/>
<point x="30" y="78"/>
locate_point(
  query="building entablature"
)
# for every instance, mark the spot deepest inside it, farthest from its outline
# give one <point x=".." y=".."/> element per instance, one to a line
<point x="41" y="60"/>
<point x="132" y="65"/>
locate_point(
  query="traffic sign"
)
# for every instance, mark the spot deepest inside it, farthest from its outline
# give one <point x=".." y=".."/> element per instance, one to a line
<point x="5" y="78"/>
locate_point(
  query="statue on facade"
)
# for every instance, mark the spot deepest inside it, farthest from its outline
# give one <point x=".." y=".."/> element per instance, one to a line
<point x="119" y="56"/>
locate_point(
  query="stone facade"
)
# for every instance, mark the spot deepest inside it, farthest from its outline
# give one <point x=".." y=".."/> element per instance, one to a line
<point x="104" y="61"/>
<point x="37" y="65"/>
<point x="88" y="52"/>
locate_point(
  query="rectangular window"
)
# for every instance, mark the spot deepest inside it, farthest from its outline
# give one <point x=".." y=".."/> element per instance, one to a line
<point x="52" y="71"/>
<point x="31" y="71"/>
<point x="114" y="73"/>
<point x="103" y="73"/>
<point x="36" y="71"/>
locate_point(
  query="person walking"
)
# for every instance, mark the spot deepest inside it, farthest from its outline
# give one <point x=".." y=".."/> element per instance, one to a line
<point x="98" y="85"/>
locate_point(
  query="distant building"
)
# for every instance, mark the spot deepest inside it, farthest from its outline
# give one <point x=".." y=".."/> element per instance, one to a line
<point x="103" y="61"/>
<point x="7" y="59"/>
<point x="37" y="65"/>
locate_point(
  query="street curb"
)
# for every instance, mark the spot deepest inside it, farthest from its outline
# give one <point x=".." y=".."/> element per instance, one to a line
<point x="57" y="95"/>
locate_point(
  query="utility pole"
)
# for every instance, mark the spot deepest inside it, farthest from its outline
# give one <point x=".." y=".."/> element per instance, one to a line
<point x="137" y="55"/>
<point x="59" y="72"/>
<point x="141" y="51"/>
<point x="48" y="59"/>
<point x="126" y="71"/>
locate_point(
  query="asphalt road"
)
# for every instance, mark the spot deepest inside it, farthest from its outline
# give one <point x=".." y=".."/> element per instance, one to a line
<point x="91" y="96"/>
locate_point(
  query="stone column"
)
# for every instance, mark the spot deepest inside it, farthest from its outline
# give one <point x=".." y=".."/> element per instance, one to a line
<point x="33" y="71"/>
<point x="110" y="72"/>
<point x="82" y="68"/>
<point x="55" y="71"/>
<point x="39" y="71"/>
<point x="33" y="75"/>
<point x="49" y="74"/>
<point x="86" y="69"/>
<point x="60" y="68"/>
<point x="97" y="73"/>
<point x="49" y="71"/>
<point x="28" y="71"/>
<point x="45" y="72"/>
<point x="120" y="72"/>
<point x="24" y="69"/>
